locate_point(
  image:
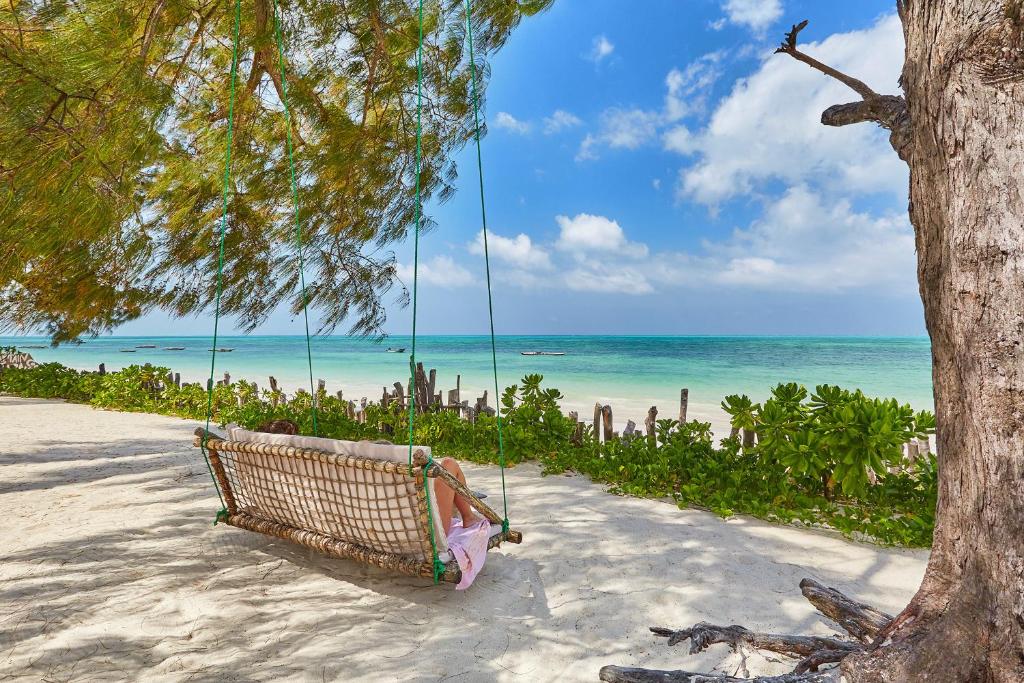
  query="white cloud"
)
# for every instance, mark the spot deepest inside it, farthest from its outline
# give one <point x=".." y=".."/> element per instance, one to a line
<point x="519" y="251"/>
<point x="589" y="233"/>
<point x="441" y="271"/>
<point x="768" y="127"/>
<point x="510" y="123"/>
<point x="802" y="242"/>
<point x="756" y="15"/>
<point x="687" y="88"/>
<point x="656" y="183"/>
<point x="628" y="128"/>
<point x="679" y="140"/>
<point x="620" y="129"/>
<point x="601" y="48"/>
<point x="602" y="278"/>
<point x="686" y="94"/>
<point x="560" y="120"/>
<point x="586" y="151"/>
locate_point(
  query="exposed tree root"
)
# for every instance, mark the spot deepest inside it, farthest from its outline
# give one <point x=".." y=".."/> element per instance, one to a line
<point x="625" y="674"/>
<point x="862" y="622"/>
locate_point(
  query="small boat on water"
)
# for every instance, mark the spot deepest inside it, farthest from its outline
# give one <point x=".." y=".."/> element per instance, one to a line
<point x="221" y="350"/>
<point x="174" y="348"/>
<point x="542" y="353"/>
<point x="146" y="346"/>
<point x="390" y="350"/>
<point x="127" y="350"/>
<point x="33" y="346"/>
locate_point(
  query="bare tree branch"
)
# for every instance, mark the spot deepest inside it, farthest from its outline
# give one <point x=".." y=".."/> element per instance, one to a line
<point x="888" y="111"/>
<point x="704" y="635"/>
<point x="625" y="674"/>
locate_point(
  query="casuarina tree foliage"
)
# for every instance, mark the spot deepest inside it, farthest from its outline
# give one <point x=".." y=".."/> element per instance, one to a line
<point x="113" y="121"/>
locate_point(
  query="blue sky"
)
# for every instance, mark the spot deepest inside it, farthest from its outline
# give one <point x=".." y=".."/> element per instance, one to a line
<point x="652" y="168"/>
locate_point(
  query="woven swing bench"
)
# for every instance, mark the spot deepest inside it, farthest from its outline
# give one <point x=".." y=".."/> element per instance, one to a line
<point x="354" y="500"/>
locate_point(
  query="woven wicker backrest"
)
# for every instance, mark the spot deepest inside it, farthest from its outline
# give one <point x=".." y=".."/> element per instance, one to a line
<point x="369" y="501"/>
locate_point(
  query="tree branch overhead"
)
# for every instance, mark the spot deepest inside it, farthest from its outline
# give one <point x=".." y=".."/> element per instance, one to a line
<point x="888" y="111"/>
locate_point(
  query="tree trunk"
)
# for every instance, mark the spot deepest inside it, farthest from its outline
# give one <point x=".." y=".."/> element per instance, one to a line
<point x="964" y="85"/>
<point x="959" y="128"/>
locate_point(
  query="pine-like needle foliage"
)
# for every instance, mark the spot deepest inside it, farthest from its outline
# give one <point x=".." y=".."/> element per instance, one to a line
<point x="113" y="120"/>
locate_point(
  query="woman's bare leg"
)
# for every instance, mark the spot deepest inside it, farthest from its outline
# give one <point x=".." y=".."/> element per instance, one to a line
<point x="465" y="509"/>
<point x="444" y="499"/>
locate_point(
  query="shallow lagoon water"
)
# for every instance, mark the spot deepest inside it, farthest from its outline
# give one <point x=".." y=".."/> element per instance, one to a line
<point x="630" y="373"/>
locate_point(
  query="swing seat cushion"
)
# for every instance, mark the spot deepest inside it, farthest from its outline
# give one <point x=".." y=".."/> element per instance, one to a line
<point x="373" y="509"/>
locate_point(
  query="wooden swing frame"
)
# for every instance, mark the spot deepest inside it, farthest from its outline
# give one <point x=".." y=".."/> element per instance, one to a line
<point x="332" y="546"/>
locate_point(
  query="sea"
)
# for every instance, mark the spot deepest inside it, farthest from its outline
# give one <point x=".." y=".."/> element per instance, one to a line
<point x="629" y="373"/>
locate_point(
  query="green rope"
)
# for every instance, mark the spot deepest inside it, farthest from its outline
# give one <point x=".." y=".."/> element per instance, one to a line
<point x="438" y="566"/>
<point x="295" y="209"/>
<point x="222" y="513"/>
<point x="487" y="259"/>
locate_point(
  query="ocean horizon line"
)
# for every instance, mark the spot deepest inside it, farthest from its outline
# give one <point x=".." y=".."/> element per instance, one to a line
<point x="484" y="335"/>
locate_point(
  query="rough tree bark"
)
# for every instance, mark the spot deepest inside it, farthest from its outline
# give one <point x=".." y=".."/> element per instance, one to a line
<point x="958" y="125"/>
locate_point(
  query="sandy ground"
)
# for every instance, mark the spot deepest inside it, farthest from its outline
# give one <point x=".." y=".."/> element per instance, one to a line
<point x="110" y="569"/>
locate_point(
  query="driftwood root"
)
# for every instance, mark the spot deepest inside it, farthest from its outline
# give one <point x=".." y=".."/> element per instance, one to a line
<point x="863" y="623"/>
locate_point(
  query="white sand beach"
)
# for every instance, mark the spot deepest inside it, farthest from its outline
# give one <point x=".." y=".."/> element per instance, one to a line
<point x="111" y="569"/>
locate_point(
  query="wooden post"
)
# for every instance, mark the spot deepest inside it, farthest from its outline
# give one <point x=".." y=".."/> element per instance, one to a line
<point x="340" y="394"/>
<point x="598" y="415"/>
<point x="609" y="432"/>
<point x="577" y="437"/>
<point x="384" y="398"/>
<point x="321" y="386"/>
<point x="684" y="399"/>
<point x="924" y="446"/>
<point x="227" y="379"/>
<point x="103" y="369"/>
<point x="273" y="384"/>
<point x="629" y="430"/>
<point x="748" y="438"/>
<point x="651" y="423"/>
<point x="913" y="452"/>
<point x="431" y="382"/>
<point x="399" y="394"/>
<point x="177" y="379"/>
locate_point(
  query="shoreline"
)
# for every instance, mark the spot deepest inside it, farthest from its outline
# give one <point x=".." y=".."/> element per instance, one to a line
<point x="624" y="409"/>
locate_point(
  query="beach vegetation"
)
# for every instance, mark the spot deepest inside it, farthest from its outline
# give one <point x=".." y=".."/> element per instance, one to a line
<point x="828" y="459"/>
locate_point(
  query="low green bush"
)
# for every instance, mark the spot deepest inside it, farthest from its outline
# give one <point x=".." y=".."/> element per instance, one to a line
<point x="832" y="458"/>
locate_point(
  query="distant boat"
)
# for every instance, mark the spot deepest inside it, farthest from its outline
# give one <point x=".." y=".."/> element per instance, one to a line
<point x="396" y="350"/>
<point x="542" y="353"/>
<point x="221" y="350"/>
<point x="174" y="348"/>
<point x="127" y="350"/>
<point x="33" y="346"/>
<point x="76" y="342"/>
<point x="146" y="346"/>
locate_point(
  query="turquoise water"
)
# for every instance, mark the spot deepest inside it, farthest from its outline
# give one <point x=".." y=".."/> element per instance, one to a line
<point x="630" y="373"/>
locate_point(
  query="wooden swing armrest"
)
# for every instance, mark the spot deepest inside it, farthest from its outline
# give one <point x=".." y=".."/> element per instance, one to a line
<point x="210" y="436"/>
